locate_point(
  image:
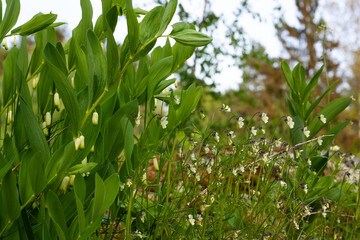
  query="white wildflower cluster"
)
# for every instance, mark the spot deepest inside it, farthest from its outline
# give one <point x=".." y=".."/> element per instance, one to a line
<point x="231" y="136"/>
<point x="164" y="122"/>
<point x="289" y="122"/>
<point x="278" y="142"/>
<point x="335" y="148"/>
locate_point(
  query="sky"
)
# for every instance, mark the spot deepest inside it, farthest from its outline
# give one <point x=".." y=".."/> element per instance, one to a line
<point x="69" y="11"/>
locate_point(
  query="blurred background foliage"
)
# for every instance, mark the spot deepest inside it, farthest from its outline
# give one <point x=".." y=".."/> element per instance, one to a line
<point x="263" y="88"/>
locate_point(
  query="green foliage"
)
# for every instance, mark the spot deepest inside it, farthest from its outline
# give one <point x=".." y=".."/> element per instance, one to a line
<point x="68" y="152"/>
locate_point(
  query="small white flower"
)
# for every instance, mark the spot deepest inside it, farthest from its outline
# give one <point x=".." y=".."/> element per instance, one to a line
<point x="242" y="169"/>
<point x="208" y="169"/>
<point x="306" y="132"/>
<point x="128" y="182"/>
<point x="278" y="142"/>
<point x="282" y="183"/>
<point x="212" y="198"/>
<point x="206" y="149"/>
<point x="199" y="217"/>
<point x="322" y="118"/>
<point x="95" y="118"/>
<point x="226" y="108"/>
<point x="240" y="122"/>
<point x="352" y="98"/>
<point x="142" y="217"/>
<point x="217" y="138"/>
<point x="319" y="141"/>
<point x="71" y="180"/>
<point x="264" y="117"/>
<point x="137" y="233"/>
<point x="138" y="118"/>
<point x="122" y="186"/>
<point x="234" y="171"/>
<point x="296" y="224"/>
<point x="163" y="122"/>
<point x="202" y="115"/>
<point x="290" y="122"/>
<point x="191" y="219"/>
<point x="77" y="143"/>
<point x="48" y="119"/>
<point x="253" y="131"/>
<point x="305" y="188"/>
<point x="335" y="148"/>
<point x="309" y="162"/>
<point x="57" y="100"/>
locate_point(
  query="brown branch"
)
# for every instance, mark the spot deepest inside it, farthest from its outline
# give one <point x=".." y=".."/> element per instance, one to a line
<point x="56" y="134"/>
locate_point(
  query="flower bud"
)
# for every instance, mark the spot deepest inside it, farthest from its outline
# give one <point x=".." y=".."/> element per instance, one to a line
<point x="77" y="143"/>
<point x="45" y="129"/>
<point x="84" y="161"/>
<point x="4" y="43"/>
<point x="10" y="117"/>
<point x="65" y="183"/>
<point x="176" y="84"/>
<point x="82" y="142"/>
<point x="35" y="82"/>
<point x="95" y="118"/>
<point x="71" y="180"/>
<point x="92" y="149"/>
<point x="156" y="164"/>
<point x="56" y="100"/>
<point x="48" y="119"/>
<point x="15" y="41"/>
<point x="73" y="82"/>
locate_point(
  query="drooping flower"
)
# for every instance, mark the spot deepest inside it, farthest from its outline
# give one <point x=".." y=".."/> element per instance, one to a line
<point x="57" y="100"/>
<point x="10" y="117"/>
<point x="217" y="138"/>
<point x="156" y="164"/>
<point x="128" y="182"/>
<point x="65" y="183"/>
<point x="82" y="142"/>
<point x="176" y="100"/>
<point x="163" y="122"/>
<point x="322" y="118"/>
<point x="48" y="119"/>
<point x="264" y="117"/>
<point x="95" y="118"/>
<point x="35" y="82"/>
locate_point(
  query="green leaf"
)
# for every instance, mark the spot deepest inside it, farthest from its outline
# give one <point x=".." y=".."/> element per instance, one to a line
<point x="333" y="131"/>
<point x="313" y="82"/>
<point x="318" y="100"/>
<point x="150" y="25"/>
<point x="112" y="55"/>
<point x="112" y="184"/>
<point x="33" y="131"/>
<point x="37" y="174"/>
<point x="11" y="15"/>
<point x="288" y="75"/>
<point x="66" y="92"/>
<point x="132" y="26"/>
<point x="191" y="37"/>
<point x="81" y="168"/>
<point x="168" y="15"/>
<point x="97" y="67"/>
<point x="157" y="72"/>
<point x="56" y="212"/>
<point x="80" y="191"/>
<point x="180" y="54"/>
<point x="330" y="111"/>
<point x="5" y="168"/>
<point x="35" y="24"/>
<point x="189" y="101"/>
<point x="297" y="136"/>
<point x="99" y="198"/>
<point x="10" y="197"/>
<point x="10" y="77"/>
